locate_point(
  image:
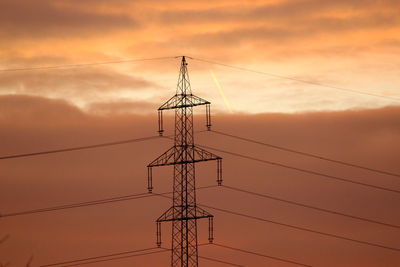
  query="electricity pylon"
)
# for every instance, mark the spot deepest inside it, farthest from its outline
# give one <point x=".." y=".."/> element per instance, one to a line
<point x="184" y="212"/>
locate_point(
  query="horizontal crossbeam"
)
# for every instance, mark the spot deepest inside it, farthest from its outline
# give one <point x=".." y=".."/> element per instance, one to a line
<point x="182" y="101"/>
<point x="173" y="214"/>
<point x="197" y="155"/>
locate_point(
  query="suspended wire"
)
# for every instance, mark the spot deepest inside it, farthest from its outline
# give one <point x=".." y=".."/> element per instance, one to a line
<point x="220" y="261"/>
<point x="77" y="148"/>
<point x="300" y="228"/>
<point x="91" y="203"/>
<point x="295" y="79"/>
<point x="306" y="154"/>
<point x="121" y="142"/>
<point x="218" y="209"/>
<point x="81" y="65"/>
<point x="220" y="150"/>
<point x="144" y="195"/>
<point x="302" y="170"/>
<point x="213" y="259"/>
<point x="310" y="207"/>
<point x="99" y="257"/>
<point x="103" y="258"/>
<point x="123" y="255"/>
<point x="79" y="205"/>
<point x="123" y="198"/>
<point x="260" y="254"/>
<point x="293" y="226"/>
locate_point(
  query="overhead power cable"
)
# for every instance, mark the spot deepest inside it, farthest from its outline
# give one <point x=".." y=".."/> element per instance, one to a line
<point x="294" y="226"/>
<point x="295" y="79"/>
<point x="90" y="203"/>
<point x="213" y="259"/>
<point x="307" y="154"/>
<point x="99" y="257"/>
<point x="77" y="148"/>
<point x="103" y="258"/>
<point x="310" y="207"/>
<point x="68" y="149"/>
<point x="81" y="65"/>
<point x="260" y="254"/>
<point x="125" y="255"/>
<point x="220" y="261"/>
<point x="302" y="170"/>
<point x="301" y="228"/>
<point x="80" y="204"/>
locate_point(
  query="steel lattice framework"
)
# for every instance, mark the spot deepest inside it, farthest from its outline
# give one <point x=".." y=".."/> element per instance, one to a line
<point x="183" y="155"/>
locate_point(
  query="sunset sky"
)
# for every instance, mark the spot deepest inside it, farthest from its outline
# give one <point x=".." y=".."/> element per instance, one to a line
<point x="350" y="48"/>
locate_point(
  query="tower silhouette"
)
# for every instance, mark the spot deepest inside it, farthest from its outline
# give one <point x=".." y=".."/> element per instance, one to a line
<point x="183" y="155"/>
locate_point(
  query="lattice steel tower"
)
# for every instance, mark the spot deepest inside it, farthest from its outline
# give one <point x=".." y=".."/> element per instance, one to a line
<point x="183" y="155"/>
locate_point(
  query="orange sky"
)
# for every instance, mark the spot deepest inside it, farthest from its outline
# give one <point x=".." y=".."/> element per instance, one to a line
<point x="351" y="44"/>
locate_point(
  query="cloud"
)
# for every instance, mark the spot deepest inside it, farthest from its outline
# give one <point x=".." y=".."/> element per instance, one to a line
<point x="283" y="37"/>
<point x="25" y="104"/>
<point x="276" y="34"/>
<point x="366" y="137"/>
<point x="122" y="106"/>
<point x="83" y="82"/>
<point x="48" y="19"/>
<point x="20" y="109"/>
<point x="235" y="30"/>
<point x="13" y="59"/>
<point x="280" y="11"/>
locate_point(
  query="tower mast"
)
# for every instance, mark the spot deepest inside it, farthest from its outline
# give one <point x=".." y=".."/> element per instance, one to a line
<point x="183" y="155"/>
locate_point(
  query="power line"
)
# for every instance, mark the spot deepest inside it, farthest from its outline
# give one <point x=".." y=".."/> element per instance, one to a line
<point x="90" y="203"/>
<point x="295" y="227"/>
<point x="260" y="254"/>
<point x="103" y="259"/>
<point x="77" y="148"/>
<point x="123" y="255"/>
<point x="79" y="205"/>
<point x="68" y="149"/>
<point x="213" y="259"/>
<point x="219" y="209"/>
<point x="99" y="257"/>
<point x="302" y="170"/>
<point x="295" y="79"/>
<point x="311" y="207"/>
<point x="220" y="261"/>
<point x="145" y="195"/>
<point x="81" y="65"/>
<point x="306" y="154"/>
<point x="300" y="228"/>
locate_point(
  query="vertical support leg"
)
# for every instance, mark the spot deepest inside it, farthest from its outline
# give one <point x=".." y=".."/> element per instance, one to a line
<point x="158" y="234"/>
<point x="208" y="117"/>
<point x="160" y="123"/>
<point x="219" y="171"/>
<point x="150" y="179"/>
<point x="210" y="229"/>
